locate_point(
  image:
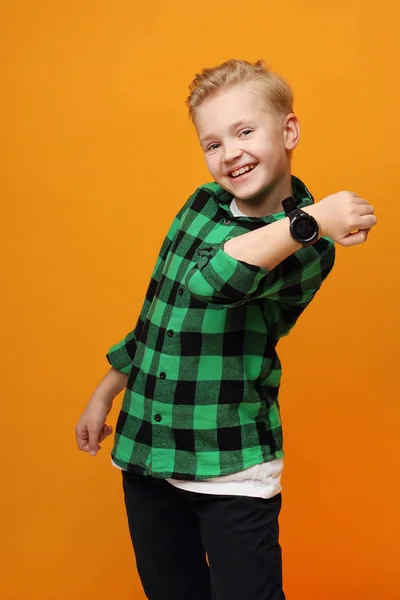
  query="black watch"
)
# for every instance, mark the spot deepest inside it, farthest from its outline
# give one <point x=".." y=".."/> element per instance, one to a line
<point x="303" y="227"/>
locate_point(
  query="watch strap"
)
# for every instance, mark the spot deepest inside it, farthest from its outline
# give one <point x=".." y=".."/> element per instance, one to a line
<point x="289" y="205"/>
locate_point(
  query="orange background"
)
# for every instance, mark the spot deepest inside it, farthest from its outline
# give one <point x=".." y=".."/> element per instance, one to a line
<point x="97" y="157"/>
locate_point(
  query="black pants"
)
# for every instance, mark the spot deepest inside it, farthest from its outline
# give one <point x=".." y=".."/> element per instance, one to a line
<point x="172" y="530"/>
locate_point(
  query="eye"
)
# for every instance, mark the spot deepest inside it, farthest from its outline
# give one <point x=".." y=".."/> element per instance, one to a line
<point x="212" y="147"/>
<point x="246" y="132"/>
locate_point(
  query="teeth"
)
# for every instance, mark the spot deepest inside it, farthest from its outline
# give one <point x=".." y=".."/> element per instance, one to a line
<point x="242" y="170"/>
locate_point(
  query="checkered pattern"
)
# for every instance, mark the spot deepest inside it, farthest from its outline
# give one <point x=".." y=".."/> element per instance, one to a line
<point x="202" y="392"/>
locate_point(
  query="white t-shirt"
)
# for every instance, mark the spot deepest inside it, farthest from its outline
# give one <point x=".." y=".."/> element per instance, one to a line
<point x="261" y="481"/>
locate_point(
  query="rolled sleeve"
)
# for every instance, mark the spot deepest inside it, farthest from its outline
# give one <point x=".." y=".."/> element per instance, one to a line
<point x="221" y="279"/>
<point x="297" y="279"/>
<point x="120" y="355"/>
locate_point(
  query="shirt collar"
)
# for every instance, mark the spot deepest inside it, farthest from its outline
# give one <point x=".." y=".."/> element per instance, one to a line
<point x="300" y="193"/>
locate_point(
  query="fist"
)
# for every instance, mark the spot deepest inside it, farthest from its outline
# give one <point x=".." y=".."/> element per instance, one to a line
<point x="92" y="429"/>
<point x="344" y="217"/>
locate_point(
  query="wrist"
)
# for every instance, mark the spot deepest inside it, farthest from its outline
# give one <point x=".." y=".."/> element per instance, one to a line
<point x="102" y="398"/>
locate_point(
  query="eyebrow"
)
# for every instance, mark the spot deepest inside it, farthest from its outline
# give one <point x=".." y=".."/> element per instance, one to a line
<point x="231" y="127"/>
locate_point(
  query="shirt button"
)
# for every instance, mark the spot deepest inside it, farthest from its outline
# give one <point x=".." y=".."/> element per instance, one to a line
<point x="162" y="375"/>
<point x="180" y="291"/>
<point x="227" y="221"/>
<point x="170" y="333"/>
<point x="158" y="418"/>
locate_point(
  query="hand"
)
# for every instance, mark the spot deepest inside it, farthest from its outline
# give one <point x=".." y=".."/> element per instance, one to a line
<point x="92" y="429"/>
<point x="344" y="217"/>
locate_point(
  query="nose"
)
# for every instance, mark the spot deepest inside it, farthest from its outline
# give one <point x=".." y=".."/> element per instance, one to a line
<point x="230" y="153"/>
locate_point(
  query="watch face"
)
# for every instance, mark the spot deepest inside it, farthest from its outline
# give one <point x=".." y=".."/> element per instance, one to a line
<point x="305" y="228"/>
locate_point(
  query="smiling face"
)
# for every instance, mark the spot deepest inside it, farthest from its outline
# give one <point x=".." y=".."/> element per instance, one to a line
<point x="246" y="145"/>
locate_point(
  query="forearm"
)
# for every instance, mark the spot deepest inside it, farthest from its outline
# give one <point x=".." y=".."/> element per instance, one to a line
<point x="110" y="386"/>
<point x="266" y="247"/>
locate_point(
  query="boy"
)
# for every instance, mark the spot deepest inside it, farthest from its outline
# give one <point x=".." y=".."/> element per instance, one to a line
<point x="199" y="437"/>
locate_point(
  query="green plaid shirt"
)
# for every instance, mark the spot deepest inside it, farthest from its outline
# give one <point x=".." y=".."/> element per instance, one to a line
<point x="202" y="393"/>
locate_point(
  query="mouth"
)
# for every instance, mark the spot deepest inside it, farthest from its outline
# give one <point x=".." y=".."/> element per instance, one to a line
<point x="242" y="172"/>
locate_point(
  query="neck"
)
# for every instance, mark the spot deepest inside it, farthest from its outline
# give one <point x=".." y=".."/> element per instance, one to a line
<point x="269" y="201"/>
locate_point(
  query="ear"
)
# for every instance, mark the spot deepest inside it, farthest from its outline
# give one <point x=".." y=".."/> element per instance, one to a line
<point x="291" y="131"/>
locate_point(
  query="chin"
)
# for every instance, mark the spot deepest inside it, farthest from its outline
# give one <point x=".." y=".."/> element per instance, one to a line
<point x="252" y="193"/>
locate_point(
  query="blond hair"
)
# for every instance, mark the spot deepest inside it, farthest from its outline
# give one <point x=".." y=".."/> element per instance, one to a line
<point x="275" y="89"/>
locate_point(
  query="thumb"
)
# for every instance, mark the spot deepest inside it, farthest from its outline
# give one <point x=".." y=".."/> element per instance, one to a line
<point x="353" y="239"/>
<point x="93" y="440"/>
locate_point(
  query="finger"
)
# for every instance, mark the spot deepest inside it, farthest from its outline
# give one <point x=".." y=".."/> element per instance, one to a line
<point x="356" y="197"/>
<point x="363" y="222"/>
<point x="105" y="432"/>
<point x="365" y="209"/>
<point x="361" y="201"/>
<point x="102" y="433"/>
<point x="368" y="221"/>
<point x="351" y="193"/>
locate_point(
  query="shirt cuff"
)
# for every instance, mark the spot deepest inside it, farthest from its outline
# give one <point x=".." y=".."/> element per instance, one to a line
<point x="119" y="358"/>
